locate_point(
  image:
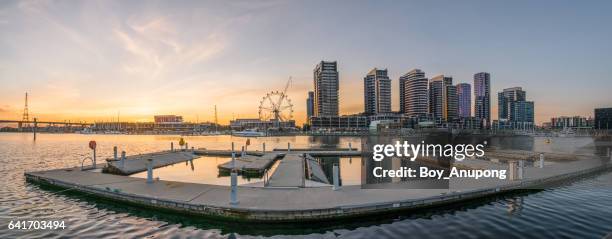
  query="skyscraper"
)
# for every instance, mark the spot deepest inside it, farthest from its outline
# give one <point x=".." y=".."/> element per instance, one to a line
<point x="482" y="97"/>
<point x="505" y="100"/>
<point x="377" y="92"/>
<point x="326" y="86"/>
<point x="603" y="118"/>
<point x="464" y="99"/>
<point x="442" y="98"/>
<point x="450" y="103"/>
<point x="309" y="105"/>
<point x="522" y="111"/>
<point x="514" y="109"/>
<point x="413" y="93"/>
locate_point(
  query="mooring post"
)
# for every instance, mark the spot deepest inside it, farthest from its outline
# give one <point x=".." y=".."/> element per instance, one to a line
<point x="94" y="158"/>
<point x="512" y="167"/>
<point x="150" y="170"/>
<point x="186" y="146"/>
<point x="288" y="146"/>
<point x="521" y="169"/>
<point x="115" y="153"/>
<point x="122" y="159"/>
<point x="35" y="128"/>
<point x="541" y="160"/>
<point x="264" y="147"/>
<point x="234" y="188"/>
<point x="350" y="147"/>
<point x="336" y="177"/>
<point x="233" y="157"/>
<point x="192" y="149"/>
<point x="171" y="146"/>
<point x="242" y="152"/>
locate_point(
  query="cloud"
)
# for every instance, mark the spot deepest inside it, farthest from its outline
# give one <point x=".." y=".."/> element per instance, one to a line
<point x="34" y="6"/>
<point x="158" y="50"/>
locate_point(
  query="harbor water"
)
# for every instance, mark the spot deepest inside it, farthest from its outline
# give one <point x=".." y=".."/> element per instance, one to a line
<point x="578" y="209"/>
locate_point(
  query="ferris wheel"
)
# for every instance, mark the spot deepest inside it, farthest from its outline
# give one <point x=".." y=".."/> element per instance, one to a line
<point x="276" y="106"/>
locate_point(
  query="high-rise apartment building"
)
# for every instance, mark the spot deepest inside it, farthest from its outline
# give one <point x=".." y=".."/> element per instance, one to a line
<point x="414" y="94"/>
<point x="506" y="98"/>
<point x="513" y="106"/>
<point x="482" y="97"/>
<point x="309" y="105"/>
<point x="603" y="118"/>
<point x="464" y="100"/>
<point x="442" y="98"/>
<point x="377" y="92"/>
<point x="326" y="87"/>
<point x="522" y="111"/>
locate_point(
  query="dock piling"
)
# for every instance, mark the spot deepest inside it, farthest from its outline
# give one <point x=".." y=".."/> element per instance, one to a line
<point x="242" y="153"/>
<point x="115" y="153"/>
<point x="122" y="159"/>
<point x="94" y="158"/>
<point x="36" y="127"/>
<point x="150" y="170"/>
<point x="186" y="146"/>
<point x="541" y="160"/>
<point x="172" y="146"/>
<point x="288" y="146"/>
<point x="336" y="177"/>
<point x="234" y="188"/>
<point x="233" y="157"/>
<point x="264" y="147"/>
<point x="350" y="147"/>
<point x="512" y="166"/>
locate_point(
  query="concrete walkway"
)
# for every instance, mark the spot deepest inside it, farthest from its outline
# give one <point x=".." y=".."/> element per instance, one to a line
<point x="289" y="173"/>
<point x="138" y="163"/>
<point x="250" y="164"/>
<point x="294" y="203"/>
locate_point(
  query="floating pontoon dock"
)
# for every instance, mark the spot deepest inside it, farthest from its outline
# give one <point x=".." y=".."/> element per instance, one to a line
<point x="250" y="164"/>
<point x="138" y="163"/>
<point x="297" y="203"/>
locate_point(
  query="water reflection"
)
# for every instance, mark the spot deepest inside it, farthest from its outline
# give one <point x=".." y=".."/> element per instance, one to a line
<point x="579" y="209"/>
<point x="200" y="170"/>
<point x="515" y="205"/>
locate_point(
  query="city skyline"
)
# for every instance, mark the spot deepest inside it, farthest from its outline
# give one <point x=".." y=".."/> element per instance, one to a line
<point x="89" y="61"/>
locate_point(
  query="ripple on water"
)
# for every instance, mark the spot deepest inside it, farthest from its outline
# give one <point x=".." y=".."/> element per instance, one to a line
<point x="580" y="209"/>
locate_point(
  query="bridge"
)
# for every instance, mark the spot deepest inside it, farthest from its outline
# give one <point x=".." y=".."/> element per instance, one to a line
<point x="36" y="122"/>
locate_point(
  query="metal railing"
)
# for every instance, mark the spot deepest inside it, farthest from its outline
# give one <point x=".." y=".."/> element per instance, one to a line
<point x="266" y="177"/>
<point x="83" y="162"/>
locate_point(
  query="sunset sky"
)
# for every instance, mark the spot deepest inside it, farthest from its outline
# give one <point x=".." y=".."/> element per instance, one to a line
<point x="88" y="60"/>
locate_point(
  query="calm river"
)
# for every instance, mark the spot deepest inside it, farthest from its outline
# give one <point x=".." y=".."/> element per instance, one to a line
<point x="578" y="209"/>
